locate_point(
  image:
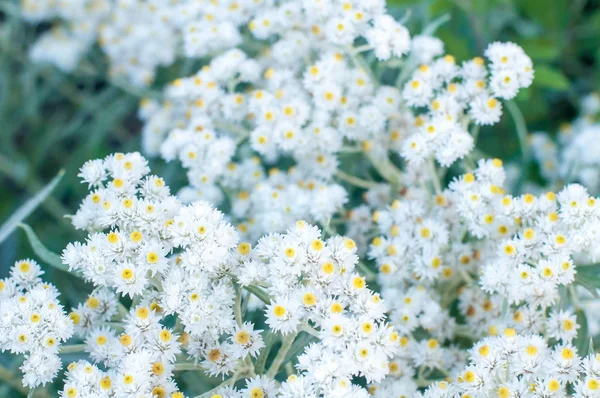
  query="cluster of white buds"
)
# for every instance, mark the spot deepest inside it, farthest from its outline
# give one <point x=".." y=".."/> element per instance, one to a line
<point x="574" y="156"/>
<point x="137" y="36"/>
<point x="302" y="109"/>
<point x="513" y="364"/>
<point x="456" y="95"/>
<point x="32" y="322"/>
<point x="184" y="261"/>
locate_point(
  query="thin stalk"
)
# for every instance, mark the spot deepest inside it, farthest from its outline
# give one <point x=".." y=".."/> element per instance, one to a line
<point x="475" y="128"/>
<point x="261" y="361"/>
<point x="237" y="308"/>
<point x="386" y="169"/>
<point x="286" y="344"/>
<point x="229" y="382"/>
<point x="187" y="366"/>
<point x="362" y="64"/>
<point x="522" y="135"/>
<point x="370" y="275"/>
<point x="114" y="325"/>
<point x="12" y="380"/>
<point x="70" y="349"/>
<point x="358" y="182"/>
<point x="232" y="128"/>
<point x="260" y="293"/>
<point x="122" y="310"/>
<point x="434" y="177"/>
<point x="574" y="297"/>
<point x="361" y="49"/>
<point x="310" y="330"/>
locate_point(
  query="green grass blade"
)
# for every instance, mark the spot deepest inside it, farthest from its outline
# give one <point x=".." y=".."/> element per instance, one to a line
<point x="28" y="207"/>
<point x="41" y="251"/>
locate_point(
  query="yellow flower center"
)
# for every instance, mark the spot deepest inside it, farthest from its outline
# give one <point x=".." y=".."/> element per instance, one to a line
<point x="242" y="337"/>
<point x="136" y="236"/>
<point x="127" y="274"/>
<point x="158" y="368"/>
<point x="93" y="302"/>
<point x="309" y="299"/>
<point x="152" y="258"/>
<point x="279" y="311"/>
<point x="244" y="248"/>
<point x="105" y="383"/>
<point x="125" y="340"/>
<point x="358" y="282"/>
<point x="165" y="336"/>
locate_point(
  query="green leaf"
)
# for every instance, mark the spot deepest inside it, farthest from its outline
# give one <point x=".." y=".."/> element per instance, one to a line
<point x="552" y="15"/>
<point x="548" y="77"/>
<point x="455" y="45"/>
<point x="435" y="24"/>
<point x="259" y="293"/>
<point x="301" y="342"/>
<point x="261" y="361"/>
<point x="28" y="207"/>
<point x="588" y="276"/>
<point x="582" y="340"/>
<point x="42" y="251"/>
<point x="540" y="50"/>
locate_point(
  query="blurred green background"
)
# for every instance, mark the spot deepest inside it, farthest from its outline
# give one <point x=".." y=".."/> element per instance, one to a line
<point x="51" y="121"/>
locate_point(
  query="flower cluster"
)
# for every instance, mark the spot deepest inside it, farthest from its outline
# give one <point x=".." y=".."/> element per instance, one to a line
<point x="513" y="364"/>
<point x="329" y="112"/>
<point x="137" y="36"/>
<point x="141" y="359"/>
<point x="455" y="95"/>
<point x="535" y="236"/>
<point x="137" y="211"/>
<point x="316" y="105"/>
<point x="32" y="322"/>
<point x="574" y="157"/>
<point x="184" y="261"/>
<point x="502" y="259"/>
<point x="313" y="284"/>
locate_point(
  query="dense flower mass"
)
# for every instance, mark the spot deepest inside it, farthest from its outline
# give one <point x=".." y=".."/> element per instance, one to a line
<point x="575" y="156"/>
<point x="32" y="322"/>
<point x="337" y="233"/>
<point x="185" y="260"/>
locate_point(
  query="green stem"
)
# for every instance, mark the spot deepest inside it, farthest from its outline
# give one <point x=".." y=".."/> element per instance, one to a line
<point x="261" y="361"/>
<point x="12" y="380"/>
<point x="434" y="176"/>
<point x="370" y="275"/>
<point x="286" y="344"/>
<point x="260" y="293"/>
<point x="122" y="310"/>
<point x="363" y="48"/>
<point x="187" y="366"/>
<point x="310" y="330"/>
<point x="229" y="382"/>
<point x="114" y="325"/>
<point x="237" y="308"/>
<point x="360" y="63"/>
<point x="522" y="135"/>
<point x="386" y="169"/>
<point x="475" y="128"/>
<point x="359" y="182"/>
<point x="574" y="297"/>
<point x="70" y="349"/>
<point x="232" y="128"/>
